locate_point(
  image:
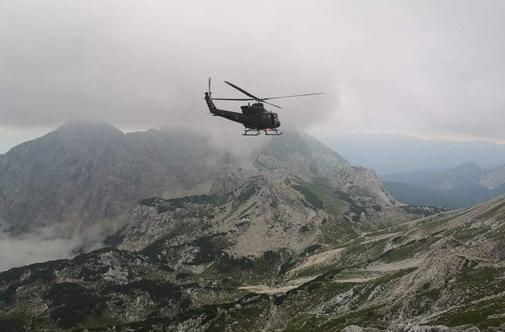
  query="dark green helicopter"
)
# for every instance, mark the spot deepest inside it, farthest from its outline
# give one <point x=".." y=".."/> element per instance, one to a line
<point x="255" y="117"/>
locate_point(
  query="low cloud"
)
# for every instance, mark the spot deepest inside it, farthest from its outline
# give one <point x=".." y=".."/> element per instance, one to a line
<point x="49" y="243"/>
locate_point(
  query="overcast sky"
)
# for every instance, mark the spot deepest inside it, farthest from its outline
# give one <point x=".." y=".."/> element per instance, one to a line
<point x="426" y="68"/>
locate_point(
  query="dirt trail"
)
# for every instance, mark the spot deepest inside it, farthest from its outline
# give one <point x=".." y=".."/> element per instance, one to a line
<point x="395" y="266"/>
<point x="270" y="290"/>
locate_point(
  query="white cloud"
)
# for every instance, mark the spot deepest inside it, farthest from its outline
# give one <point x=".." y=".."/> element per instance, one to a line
<point x="49" y="243"/>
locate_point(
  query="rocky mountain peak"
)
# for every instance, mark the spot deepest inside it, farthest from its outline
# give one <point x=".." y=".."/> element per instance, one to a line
<point x="88" y="172"/>
<point x="86" y="132"/>
<point x="300" y="153"/>
<point x="467" y="169"/>
<point x="87" y="125"/>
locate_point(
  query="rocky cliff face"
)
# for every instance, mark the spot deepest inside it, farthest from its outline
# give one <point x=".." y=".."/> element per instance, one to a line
<point x="88" y="173"/>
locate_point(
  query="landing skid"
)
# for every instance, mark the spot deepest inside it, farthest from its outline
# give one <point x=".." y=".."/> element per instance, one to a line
<point x="256" y="132"/>
<point x="251" y="132"/>
<point x="272" y="132"/>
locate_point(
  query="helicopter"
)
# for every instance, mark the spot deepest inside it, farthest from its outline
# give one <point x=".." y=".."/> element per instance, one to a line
<point x="255" y="118"/>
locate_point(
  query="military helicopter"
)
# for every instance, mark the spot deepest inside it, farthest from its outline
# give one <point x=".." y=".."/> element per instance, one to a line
<point x="255" y="118"/>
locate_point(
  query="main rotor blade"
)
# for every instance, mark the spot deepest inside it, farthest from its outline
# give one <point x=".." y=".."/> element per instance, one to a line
<point x="243" y="91"/>
<point x="302" y="95"/>
<point x="236" y="99"/>
<point x="250" y="95"/>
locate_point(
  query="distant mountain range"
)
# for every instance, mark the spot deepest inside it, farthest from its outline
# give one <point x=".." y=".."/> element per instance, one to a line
<point x="388" y="154"/>
<point x="458" y="187"/>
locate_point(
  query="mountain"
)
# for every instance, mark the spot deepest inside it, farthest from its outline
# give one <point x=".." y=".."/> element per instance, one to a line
<point x="403" y="154"/>
<point x="90" y="172"/>
<point x="87" y="177"/>
<point x="462" y="186"/>
<point x="208" y="239"/>
<point x="182" y="265"/>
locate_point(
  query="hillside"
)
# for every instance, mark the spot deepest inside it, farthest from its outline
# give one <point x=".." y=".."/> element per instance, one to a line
<point x="446" y="270"/>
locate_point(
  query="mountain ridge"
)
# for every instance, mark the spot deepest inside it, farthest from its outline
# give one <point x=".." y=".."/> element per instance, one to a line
<point x="458" y="187"/>
<point x="399" y="154"/>
<point x="92" y="171"/>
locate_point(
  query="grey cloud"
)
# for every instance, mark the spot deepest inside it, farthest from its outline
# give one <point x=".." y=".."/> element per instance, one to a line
<point x="425" y="67"/>
<point x="147" y="64"/>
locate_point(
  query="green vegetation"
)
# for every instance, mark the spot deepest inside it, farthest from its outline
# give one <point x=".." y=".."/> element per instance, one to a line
<point x="425" y="299"/>
<point x="465" y="233"/>
<point x="484" y="314"/>
<point x="335" y="230"/>
<point x="369" y="317"/>
<point x="338" y="232"/>
<point x="246" y="270"/>
<point x="20" y="317"/>
<point x="363" y="252"/>
<point x="100" y="322"/>
<point x="480" y="290"/>
<point x="309" y="196"/>
<point x="73" y="303"/>
<point x="493" y="212"/>
<point x="247" y="315"/>
<point x="433" y="224"/>
<point x="247" y="191"/>
<point x="320" y="196"/>
<point x="427" y="291"/>
<point x="408" y="250"/>
<point x="480" y="281"/>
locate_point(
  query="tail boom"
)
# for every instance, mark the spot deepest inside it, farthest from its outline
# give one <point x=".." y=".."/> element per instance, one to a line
<point x="233" y="116"/>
